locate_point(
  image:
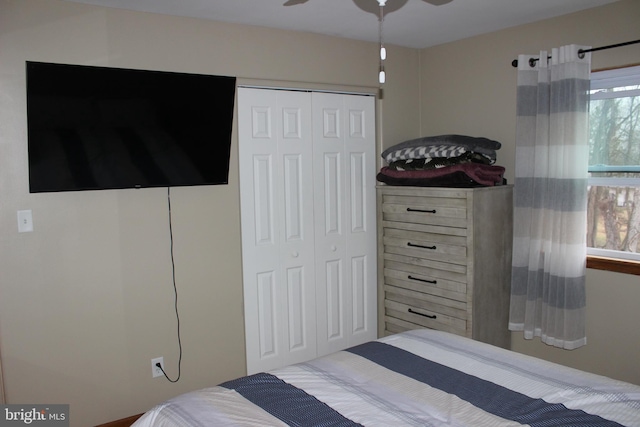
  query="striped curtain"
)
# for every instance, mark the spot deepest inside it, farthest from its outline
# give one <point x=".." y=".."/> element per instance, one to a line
<point x="550" y="198"/>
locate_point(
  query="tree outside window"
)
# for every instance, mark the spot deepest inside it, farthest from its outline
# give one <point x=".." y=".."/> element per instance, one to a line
<point x="613" y="213"/>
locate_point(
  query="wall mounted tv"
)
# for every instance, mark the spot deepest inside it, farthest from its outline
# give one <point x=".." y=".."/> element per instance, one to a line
<point x="93" y="128"/>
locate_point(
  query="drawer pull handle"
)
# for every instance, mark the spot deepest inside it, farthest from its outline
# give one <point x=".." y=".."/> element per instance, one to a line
<point x="421" y="210"/>
<point x="413" y="245"/>
<point x="422" y="314"/>
<point x="423" y="280"/>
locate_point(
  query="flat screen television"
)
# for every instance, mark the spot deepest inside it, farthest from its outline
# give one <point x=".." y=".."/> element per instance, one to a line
<point x="94" y="128"/>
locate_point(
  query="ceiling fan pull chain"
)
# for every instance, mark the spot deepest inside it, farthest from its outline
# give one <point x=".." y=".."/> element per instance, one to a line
<point x="383" y="50"/>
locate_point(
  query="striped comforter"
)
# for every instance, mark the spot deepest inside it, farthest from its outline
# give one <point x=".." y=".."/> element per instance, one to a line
<point x="417" y="378"/>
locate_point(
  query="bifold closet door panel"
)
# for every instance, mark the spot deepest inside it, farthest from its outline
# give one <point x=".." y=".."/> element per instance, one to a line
<point x="275" y="155"/>
<point x="345" y="219"/>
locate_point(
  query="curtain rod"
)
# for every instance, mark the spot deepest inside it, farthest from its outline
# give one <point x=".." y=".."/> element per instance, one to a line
<point x="581" y="52"/>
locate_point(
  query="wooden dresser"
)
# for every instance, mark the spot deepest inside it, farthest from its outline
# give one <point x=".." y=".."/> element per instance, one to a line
<point x="445" y="260"/>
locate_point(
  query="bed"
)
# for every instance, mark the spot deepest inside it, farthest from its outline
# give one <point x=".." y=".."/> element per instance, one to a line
<point x="416" y="378"/>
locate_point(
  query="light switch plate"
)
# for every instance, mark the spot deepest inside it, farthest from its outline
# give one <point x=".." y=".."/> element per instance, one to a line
<point x="25" y="221"/>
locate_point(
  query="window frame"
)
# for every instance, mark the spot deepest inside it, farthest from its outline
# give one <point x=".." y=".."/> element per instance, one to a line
<point x="613" y="264"/>
<point x="599" y="259"/>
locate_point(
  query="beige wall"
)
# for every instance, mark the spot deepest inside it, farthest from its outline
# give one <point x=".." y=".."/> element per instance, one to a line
<point x="469" y="87"/>
<point x="86" y="300"/>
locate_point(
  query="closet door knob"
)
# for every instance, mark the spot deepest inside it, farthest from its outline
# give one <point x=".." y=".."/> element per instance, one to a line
<point x="333" y="248"/>
<point x="295" y="254"/>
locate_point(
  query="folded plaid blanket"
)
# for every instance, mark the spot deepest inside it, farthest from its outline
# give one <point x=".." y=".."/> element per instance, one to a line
<point x="441" y="146"/>
<point x="439" y="162"/>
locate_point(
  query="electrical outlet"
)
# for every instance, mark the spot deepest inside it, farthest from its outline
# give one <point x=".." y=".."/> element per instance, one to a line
<point x="155" y="371"/>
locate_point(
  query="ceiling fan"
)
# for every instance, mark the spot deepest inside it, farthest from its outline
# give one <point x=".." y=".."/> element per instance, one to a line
<point x="379" y="8"/>
<point x="372" y="6"/>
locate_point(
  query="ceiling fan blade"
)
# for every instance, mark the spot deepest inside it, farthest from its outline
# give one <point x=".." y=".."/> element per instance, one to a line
<point x="372" y="6"/>
<point x="294" y="2"/>
<point x="437" y="2"/>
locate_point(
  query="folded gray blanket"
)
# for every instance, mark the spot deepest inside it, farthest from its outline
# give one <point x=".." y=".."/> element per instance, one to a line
<point x="471" y="143"/>
<point x="436" y="151"/>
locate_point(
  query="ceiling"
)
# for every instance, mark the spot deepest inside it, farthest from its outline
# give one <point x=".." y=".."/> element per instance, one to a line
<point x="417" y="24"/>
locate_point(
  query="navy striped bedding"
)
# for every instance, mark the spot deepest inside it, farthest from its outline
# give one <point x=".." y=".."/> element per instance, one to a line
<point x="417" y="378"/>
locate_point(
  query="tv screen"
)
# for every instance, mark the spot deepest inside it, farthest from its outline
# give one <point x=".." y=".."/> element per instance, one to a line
<point x="93" y="128"/>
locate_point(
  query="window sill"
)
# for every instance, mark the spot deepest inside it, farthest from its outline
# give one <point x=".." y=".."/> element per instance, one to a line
<point x="612" y="264"/>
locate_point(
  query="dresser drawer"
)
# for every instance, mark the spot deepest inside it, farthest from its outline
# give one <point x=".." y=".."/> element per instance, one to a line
<point x="426" y="284"/>
<point x="427" y="303"/>
<point x="426" y="268"/>
<point x="434" y="246"/>
<point x="445" y="211"/>
<point x="401" y="317"/>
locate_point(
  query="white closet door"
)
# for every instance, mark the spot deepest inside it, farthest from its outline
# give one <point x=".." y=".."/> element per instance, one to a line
<point x="275" y="155"/>
<point x="345" y="231"/>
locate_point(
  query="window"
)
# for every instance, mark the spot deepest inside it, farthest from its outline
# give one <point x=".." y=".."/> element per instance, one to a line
<point x="613" y="212"/>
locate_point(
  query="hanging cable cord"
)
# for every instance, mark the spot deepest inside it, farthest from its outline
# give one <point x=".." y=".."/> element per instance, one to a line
<point x="175" y="291"/>
<point x="581" y="52"/>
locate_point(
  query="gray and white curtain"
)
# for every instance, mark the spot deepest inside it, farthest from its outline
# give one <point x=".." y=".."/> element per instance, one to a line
<point x="550" y="198"/>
